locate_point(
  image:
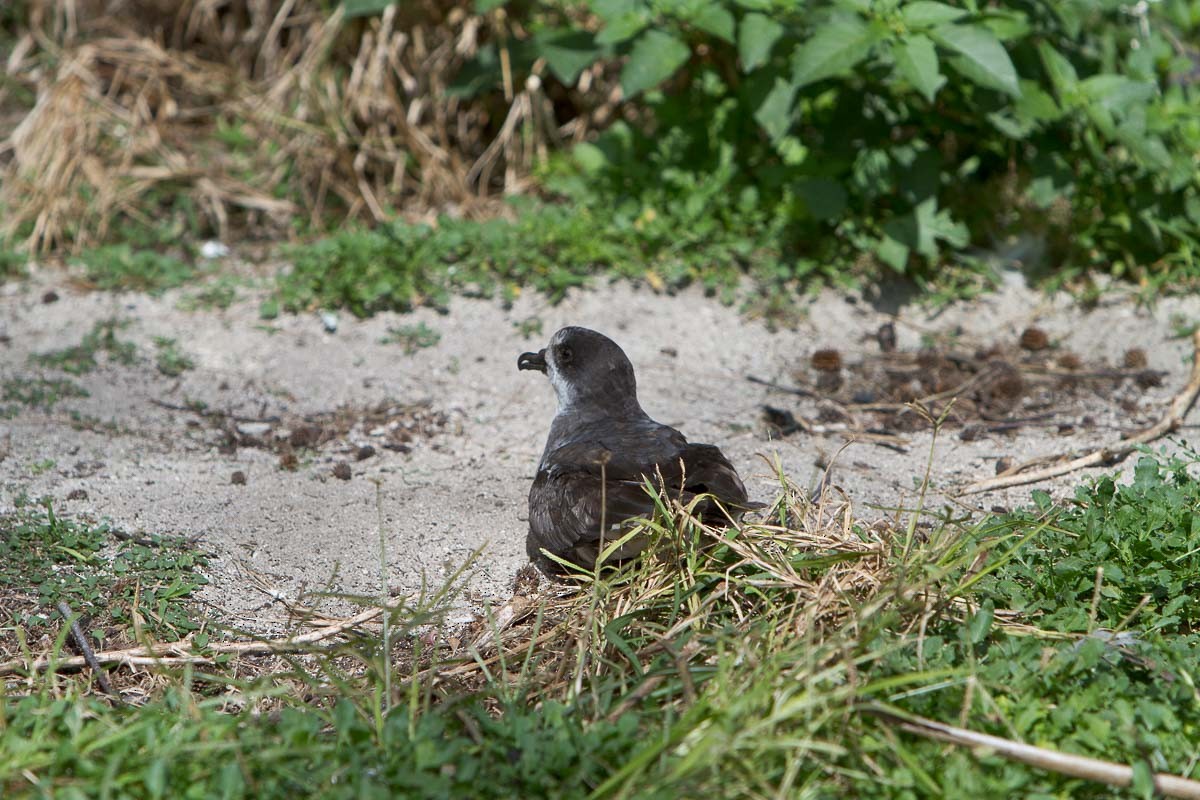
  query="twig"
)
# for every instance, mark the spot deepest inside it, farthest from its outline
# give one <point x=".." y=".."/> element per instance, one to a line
<point x="177" y="652"/>
<point x="1105" y="455"/>
<point x="200" y="411"/>
<point x="781" y="388"/>
<point x="89" y="655"/>
<point x="1092" y="769"/>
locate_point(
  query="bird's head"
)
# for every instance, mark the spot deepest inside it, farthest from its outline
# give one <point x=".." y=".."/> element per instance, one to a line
<point x="587" y="370"/>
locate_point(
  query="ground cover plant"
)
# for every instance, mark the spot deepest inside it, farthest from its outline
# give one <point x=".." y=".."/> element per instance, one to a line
<point x="764" y="662"/>
<point x="676" y="141"/>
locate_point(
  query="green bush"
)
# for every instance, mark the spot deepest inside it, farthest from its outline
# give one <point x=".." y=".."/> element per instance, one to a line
<point x="900" y="133"/>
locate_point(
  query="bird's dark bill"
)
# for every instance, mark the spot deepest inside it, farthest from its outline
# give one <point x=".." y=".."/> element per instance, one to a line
<point x="532" y="361"/>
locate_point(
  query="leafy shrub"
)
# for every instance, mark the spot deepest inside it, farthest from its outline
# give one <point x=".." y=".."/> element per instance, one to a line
<point x="904" y="133"/>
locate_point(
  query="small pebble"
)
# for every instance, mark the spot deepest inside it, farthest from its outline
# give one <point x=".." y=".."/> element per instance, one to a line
<point x="330" y="321"/>
<point x="78" y="494"/>
<point x="1003" y="464"/>
<point x="238" y="478"/>
<point x="827" y="360"/>
<point x="213" y="249"/>
<point x="341" y="471"/>
<point x="364" y="452"/>
<point x="886" y="336"/>
<point x="50" y="297"/>
<point x="1034" y="339"/>
<point x="1135" y="358"/>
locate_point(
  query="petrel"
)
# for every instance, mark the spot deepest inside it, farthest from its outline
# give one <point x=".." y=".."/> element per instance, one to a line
<point x="601" y="449"/>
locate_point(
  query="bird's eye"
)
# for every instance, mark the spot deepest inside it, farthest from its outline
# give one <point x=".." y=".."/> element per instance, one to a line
<point x="565" y="355"/>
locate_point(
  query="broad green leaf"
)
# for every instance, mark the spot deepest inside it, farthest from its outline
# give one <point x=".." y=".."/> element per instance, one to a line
<point x="567" y="53"/>
<point x="937" y="224"/>
<point x="923" y="227"/>
<point x="757" y="34"/>
<point x="917" y="62"/>
<point x="1149" y="150"/>
<point x="825" y="198"/>
<point x="656" y="55"/>
<point x="609" y="10"/>
<point x="774" y="114"/>
<point x="1007" y="25"/>
<point x="1035" y="103"/>
<point x="590" y="158"/>
<point x="1060" y="71"/>
<point x="364" y="8"/>
<point x="1011" y="126"/>
<point x="835" y="48"/>
<point x="983" y="59"/>
<point x="715" y="19"/>
<point x="1116" y="93"/>
<point x="892" y="253"/>
<point x="624" y="27"/>
<point x="924" y="14"/>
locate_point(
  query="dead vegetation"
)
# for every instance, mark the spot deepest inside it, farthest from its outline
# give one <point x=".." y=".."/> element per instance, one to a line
<point x="992" y="388"/>
<point x="243" y="115"/>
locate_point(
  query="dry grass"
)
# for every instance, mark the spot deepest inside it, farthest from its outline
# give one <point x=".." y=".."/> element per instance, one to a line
<point x="246" y="113"/>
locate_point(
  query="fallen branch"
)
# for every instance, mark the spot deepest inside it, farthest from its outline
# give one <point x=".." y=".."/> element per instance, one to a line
<point x="89" y="655"/>
<point x="180" y="652"/>
<point x="1092" y="769"/>
<point x="1178" y="409"/>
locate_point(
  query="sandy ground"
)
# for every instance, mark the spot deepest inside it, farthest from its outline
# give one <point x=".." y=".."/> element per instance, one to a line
<point x="457" y="482"/>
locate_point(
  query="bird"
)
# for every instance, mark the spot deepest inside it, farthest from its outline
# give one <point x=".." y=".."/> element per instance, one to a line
<point x="602" y="448"/>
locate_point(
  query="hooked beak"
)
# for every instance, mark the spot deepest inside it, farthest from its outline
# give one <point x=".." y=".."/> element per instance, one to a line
<point x="532" y="361"/>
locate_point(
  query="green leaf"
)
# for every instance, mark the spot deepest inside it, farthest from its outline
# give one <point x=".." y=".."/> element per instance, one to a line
<point x="917" y="62"/>
<point x="623" y="28"/>
<point x="715" y="19"/>
<point x="834" y="49"/>
<point x="656" y="55"/>
<point x="892" y="253"/>
<point x="923" y="14"/>
<point x="364" y="8"/>
<point x="1060" y="71"/>
<point x="981" y="622"/>
<point x="756" y="36"/>
<point x="924" y="226"/>
<point x="1116" y="93"/>
<point x="774" y="114"/>
<point x="567" y="52"/>
<point x="825" y="198"/>
<point x="484" y="6"/>
<point x="984" y="60"/>
<point x="590" y="158"/>
<point x="609" y="10"/>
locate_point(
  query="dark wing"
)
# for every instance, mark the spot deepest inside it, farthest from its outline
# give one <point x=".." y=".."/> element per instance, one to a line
<point x="573" y="496"/>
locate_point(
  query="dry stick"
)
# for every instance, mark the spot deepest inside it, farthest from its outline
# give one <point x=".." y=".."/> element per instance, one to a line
<point x="1092" y="769"/>
<point x="1172" y="420"/>
<point x="89" y="655"/>
<point x="176" y="652"/>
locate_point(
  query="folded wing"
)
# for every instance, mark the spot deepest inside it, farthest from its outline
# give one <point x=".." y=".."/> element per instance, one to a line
<point x="587" y="486"/>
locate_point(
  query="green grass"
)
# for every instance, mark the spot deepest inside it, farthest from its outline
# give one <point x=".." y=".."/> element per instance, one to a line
<point x="12" y="263"/>
<point x="126" y="267"/>
<point x="169" y="359"/>
<point x="412" y="337"/>
<point x="743" y="669"/>
<point x="40" y="393"/>
<point x="549" y="248"/>
<point x="81" y="358"/>
<point x="54" y="559"/>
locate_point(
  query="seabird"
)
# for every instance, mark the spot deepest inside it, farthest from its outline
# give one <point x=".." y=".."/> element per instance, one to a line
<point x="601" y="449"/>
